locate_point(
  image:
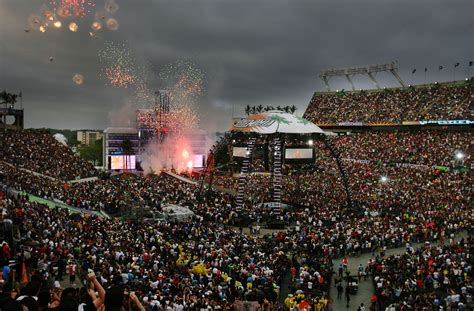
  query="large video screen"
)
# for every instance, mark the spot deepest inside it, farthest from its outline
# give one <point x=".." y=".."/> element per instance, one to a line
<point x="198" y="160"/>
<point x="298" y="153"/>
<point x="122" y="162"/>
<point x="239" y="152"/>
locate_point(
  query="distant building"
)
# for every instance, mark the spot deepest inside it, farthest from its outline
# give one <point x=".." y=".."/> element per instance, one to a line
<point x="88" y="137"/>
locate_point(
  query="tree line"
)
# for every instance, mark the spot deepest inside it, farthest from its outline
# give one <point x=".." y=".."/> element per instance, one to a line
<point x="258" y="109"/>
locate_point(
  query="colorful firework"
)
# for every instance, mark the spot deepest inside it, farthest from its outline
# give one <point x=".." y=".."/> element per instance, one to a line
<point x="119" y="65"/>
<point x="111" y="6"/>
<point x="183" y="79"/>
<point x="184" y="82"/>
<point x="68" y="8"/>
<point x="112" y="24"/>
<point x="73" y="27"/>
<point x="96" y="26"/>
<point x="78" y="79"/>
<point x="181" y="119"/>
<point x="119" y="76"/>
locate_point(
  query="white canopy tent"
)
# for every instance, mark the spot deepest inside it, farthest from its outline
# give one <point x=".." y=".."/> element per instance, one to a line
<point x="275" y="121"/>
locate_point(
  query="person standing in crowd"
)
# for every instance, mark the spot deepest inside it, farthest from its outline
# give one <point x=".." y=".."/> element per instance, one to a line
<point x="72" y="272"/>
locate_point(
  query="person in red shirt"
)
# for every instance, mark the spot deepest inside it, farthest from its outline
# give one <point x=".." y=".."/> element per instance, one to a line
<point x="6" y="250"/>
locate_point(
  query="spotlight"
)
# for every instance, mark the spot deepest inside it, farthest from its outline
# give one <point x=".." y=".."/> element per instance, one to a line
<point x="459" y="155"/>
<point x="310" y="142"/>
<point x="383" y="179"/>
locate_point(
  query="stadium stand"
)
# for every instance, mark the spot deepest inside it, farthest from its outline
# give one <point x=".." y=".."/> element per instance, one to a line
<point x="429" y="102"/>
<point x="38" y="151"/>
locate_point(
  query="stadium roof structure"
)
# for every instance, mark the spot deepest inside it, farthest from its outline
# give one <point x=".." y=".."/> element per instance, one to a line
<point x="275" y="121"/>
<point x="369" y="70"/>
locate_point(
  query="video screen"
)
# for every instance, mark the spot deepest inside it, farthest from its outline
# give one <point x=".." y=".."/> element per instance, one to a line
<point x="122" y="162"/>
<point x="239" y="152"/>
<point x="198" y="160"/>
<point x="298" y="153"/>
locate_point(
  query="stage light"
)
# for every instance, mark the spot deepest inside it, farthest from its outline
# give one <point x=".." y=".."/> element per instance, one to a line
<point x="190" y="164"/>
<point x="310" y="142"/>
<point x="185" y="154"/>
<point x="459" y="155"/>
<point x="57" y="24"/>
<point x="383" y="179"/>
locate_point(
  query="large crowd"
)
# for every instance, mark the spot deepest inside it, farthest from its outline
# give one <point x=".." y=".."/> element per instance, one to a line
<point x="209" y="262"/>
<point x="38" y="151"/>
<point x="433" y="102"/>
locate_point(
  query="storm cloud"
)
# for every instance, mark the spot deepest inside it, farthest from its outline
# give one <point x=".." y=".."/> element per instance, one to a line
<point x="252" y="52"/>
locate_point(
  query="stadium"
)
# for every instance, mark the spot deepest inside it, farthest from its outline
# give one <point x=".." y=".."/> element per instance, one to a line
<point x="361" y="200"/>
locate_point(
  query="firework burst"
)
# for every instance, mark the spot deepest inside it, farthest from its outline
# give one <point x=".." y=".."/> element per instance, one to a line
<point x="119" y="65"/>
<point x="68" y="8"/>
<point x="184" y="82"/>
<point x="119" y="76"/>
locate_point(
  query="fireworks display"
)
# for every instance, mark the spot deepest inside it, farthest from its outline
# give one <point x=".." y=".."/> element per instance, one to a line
<point x="111" y="6"/>
<point x="119" y="76"/>
<point x="112" y="24"/>
<point x="78" y="79"/>
<point x="73" y="27"/>
<point x="119" y="65"/>
<point x="96" y="26"/>
<point x="68" y="8"/>
<point x="183" y="83"/>
<point x="184" y="80"/>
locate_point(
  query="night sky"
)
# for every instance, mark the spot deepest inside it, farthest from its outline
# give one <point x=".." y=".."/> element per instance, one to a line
<point x="255" y="52"/>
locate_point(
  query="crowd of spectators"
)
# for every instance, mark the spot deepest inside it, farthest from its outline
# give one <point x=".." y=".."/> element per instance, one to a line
<point x="424" y="147"/>
<point x="400" y="197"/>
<point x="433" y="102"/>
<point x="431" y="277"/>
<point x="39" y="151"/>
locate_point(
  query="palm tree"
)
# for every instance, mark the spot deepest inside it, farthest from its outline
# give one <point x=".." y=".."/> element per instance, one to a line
<point x="279" y="108"/>
<point x="259" y="108"/>
<point x="247" y="110"/>
<point x="127" y="150"/>
<point x="293" y="109"/>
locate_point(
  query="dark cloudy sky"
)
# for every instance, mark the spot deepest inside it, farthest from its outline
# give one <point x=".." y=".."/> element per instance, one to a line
<point x="252" y="51"/>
